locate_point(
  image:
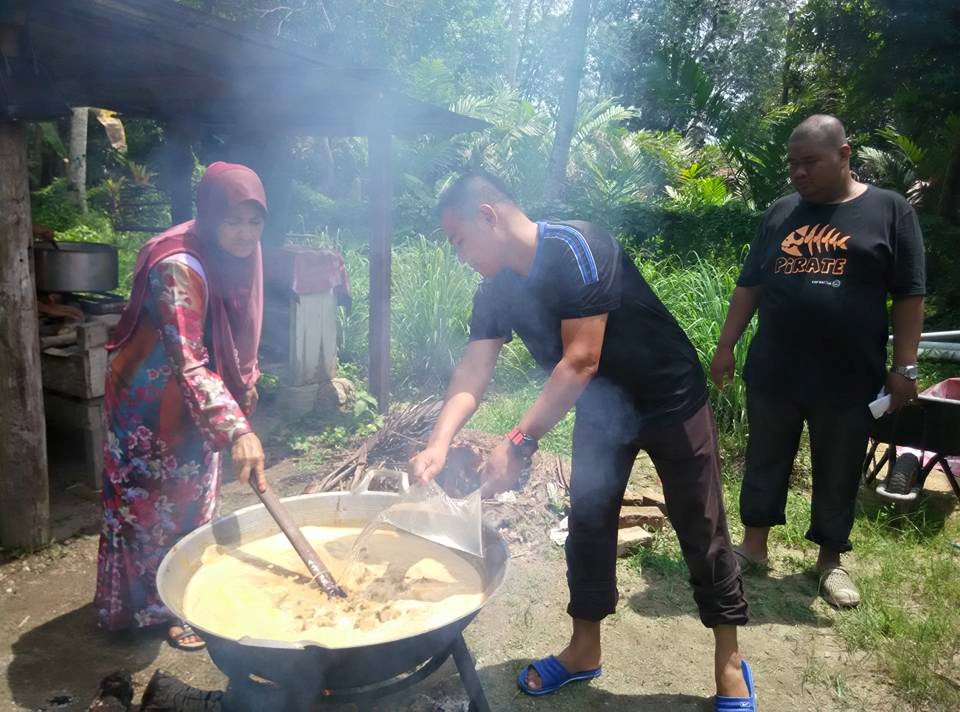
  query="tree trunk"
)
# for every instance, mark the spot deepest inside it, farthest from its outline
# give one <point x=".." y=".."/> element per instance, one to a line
<point x="785" y="79"/>
<point x="567" y="112"/>
<point x="514" y="40"/>
<point x="77" y="173"/>
<point x="24" y="486"/>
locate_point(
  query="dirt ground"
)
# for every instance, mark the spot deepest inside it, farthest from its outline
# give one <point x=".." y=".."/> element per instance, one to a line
<point x="657" y="656"/>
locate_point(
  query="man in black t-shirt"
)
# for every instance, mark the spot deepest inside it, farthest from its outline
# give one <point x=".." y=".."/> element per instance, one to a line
<point x="612" y="350"/>
<point x="819" y="272"/>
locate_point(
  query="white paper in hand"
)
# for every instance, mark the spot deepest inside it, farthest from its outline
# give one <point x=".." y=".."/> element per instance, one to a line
<point x="881" y="405"/>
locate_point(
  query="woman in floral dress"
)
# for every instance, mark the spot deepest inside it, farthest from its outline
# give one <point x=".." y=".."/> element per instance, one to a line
<point x="179" y="390"/>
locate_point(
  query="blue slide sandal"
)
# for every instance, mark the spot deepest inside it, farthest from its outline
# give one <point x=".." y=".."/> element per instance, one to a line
<point x="553" y="676"/>
<point x="739" y="704"/>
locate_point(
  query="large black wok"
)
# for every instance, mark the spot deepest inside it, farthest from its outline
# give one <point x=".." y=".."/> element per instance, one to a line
<point x="310" y="664"/>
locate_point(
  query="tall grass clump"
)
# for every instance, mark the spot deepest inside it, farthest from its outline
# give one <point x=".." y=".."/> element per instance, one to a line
<point x="355" y="323"/>
<point x="697" y="293"/>
<point x="431" y="302"/>
<point x="431" y="298"/>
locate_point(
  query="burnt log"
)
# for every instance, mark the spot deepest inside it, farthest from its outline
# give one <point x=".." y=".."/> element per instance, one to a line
<point x="166" y="693"/>
<point x="115" y="693"/>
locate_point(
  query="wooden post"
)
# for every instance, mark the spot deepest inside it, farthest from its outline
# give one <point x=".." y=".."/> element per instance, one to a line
<point x="381" y="234"/>
<point x="273" y="166"/>
<point x="24" y="484"/>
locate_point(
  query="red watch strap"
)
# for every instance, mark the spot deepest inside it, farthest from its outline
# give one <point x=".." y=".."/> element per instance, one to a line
<point x="515" y="436"/>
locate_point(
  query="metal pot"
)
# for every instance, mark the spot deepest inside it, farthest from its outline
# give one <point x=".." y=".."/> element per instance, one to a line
<point x="75" y="266"/>
<point x="308" y="663"/>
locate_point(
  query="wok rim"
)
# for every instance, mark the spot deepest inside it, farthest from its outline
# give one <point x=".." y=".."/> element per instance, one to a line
<point x="268" y="643"/>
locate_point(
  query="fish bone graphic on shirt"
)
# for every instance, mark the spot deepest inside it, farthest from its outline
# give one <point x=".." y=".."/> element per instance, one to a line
<point x="819" y="249"/>
<point x="817" y="239"/>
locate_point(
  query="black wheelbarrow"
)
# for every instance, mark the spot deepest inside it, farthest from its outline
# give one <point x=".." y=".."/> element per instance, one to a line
<point x="932" y="426"/>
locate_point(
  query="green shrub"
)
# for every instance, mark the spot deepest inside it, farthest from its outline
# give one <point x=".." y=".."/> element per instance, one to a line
<point x="432" y="300"/>
<point x="355" y="324"/>
<point x="942" y="243"/>
<point x="712" y="231"/>
<point x="311" y="211"/>
<point x="55" y="206"/>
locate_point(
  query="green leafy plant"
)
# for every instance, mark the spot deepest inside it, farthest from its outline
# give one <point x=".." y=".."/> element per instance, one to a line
<point x="696" y="189"/>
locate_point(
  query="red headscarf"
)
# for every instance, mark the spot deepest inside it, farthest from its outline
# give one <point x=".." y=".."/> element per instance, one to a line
<point x="235" y="285"/>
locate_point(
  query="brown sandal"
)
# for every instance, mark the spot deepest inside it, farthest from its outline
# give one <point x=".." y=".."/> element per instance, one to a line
<point x="177" y="641"/>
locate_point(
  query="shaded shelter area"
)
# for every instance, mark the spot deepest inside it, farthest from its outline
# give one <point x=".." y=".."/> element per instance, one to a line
<point x="197" y="74"/>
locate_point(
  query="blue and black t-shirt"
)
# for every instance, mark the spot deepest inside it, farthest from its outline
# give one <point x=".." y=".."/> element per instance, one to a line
<point x="649" y="374"/>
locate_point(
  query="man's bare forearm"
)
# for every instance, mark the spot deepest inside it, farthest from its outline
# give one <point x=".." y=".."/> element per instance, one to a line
<point x="743" y="305"/>
<point x="582" y="345"/>
<point x="457" y="410"/>
<point x="558" y="396"/>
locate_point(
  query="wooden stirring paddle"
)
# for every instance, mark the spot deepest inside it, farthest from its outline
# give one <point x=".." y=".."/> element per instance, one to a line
<point x="299" y="542"/>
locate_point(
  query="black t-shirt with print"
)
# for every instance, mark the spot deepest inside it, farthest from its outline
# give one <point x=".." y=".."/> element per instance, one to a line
<point x="648" y="374"/>
<point x="824" y="273"/>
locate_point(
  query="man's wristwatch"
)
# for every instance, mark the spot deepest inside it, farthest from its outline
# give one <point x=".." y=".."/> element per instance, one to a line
<point x="908" y="372"/>
<point x="522" y="444"/>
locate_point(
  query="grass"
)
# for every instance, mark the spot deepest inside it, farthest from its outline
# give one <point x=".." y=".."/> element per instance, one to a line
<point x="909" y="576"/>
<point x="907" y="567"/>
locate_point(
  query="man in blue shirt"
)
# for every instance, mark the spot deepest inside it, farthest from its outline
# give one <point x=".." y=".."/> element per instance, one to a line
<point x="612" y="350"/>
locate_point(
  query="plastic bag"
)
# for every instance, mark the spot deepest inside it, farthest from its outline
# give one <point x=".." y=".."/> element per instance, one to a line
<point x="425" y="510"/>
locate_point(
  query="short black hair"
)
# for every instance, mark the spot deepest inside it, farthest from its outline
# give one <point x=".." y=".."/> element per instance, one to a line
<point x="471" y="190"/>
<point x="822" y="129"/>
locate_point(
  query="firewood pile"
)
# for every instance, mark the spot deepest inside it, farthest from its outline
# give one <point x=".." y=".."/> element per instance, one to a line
<point x="521" y="516"/>
<point x="404" y="432"/>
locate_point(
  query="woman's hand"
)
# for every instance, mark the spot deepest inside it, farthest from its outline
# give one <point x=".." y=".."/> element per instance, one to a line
<point x="247" y="456"/>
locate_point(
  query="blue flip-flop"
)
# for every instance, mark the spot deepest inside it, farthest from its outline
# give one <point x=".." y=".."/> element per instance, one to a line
<point x="553" y="676"/>
<point x="739" y="704"/>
